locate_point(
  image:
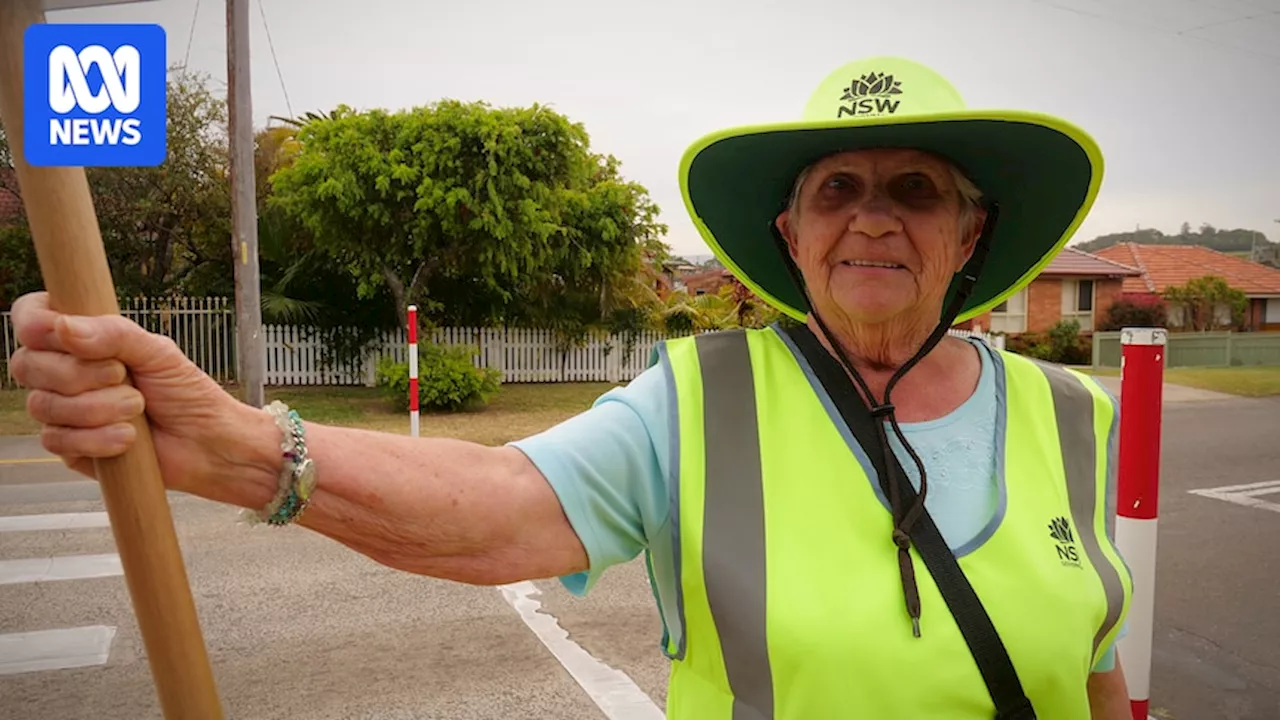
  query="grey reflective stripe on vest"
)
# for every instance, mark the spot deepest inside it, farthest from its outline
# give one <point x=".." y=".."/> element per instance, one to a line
<point x="733" y="538"/>
<point x="1073" y="405"/>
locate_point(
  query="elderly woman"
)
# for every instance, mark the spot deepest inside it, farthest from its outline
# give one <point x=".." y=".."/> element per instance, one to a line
<point x="853" y="515"/>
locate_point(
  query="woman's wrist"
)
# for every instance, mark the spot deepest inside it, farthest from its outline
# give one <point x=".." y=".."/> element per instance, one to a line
<point x="247" y="473"/>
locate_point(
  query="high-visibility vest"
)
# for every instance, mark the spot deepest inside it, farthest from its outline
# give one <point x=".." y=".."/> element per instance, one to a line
<point x="789" y="600"/>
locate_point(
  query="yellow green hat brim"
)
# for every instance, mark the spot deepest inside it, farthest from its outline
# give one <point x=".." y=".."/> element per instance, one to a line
<point x="1043" y="171"/>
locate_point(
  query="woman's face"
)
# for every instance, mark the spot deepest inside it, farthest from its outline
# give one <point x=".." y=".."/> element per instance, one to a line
<point x="876" y="234"/>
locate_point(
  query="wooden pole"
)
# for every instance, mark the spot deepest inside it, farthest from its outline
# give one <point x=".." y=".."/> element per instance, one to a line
<point x="73" y="263"/>
<point x="250" y="347"/>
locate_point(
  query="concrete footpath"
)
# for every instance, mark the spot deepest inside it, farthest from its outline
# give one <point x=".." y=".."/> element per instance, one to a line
<point x="1172" y="393"/>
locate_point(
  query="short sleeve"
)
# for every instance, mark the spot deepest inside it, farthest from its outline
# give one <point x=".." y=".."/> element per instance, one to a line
<point x="608" y="467"/>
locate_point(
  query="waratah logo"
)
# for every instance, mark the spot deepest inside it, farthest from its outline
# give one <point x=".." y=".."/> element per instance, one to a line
<point x="1060" y="530"/>
<point x="872" y="84"/>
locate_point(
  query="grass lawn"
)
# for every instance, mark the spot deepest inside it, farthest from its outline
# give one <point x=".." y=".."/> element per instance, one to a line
<point x="521" y="409"/>
<point x="517" y="410"/>
<point x="1244" y="381"/>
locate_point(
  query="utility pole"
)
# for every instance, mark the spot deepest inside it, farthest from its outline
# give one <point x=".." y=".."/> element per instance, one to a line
<point x="251" y="352"/>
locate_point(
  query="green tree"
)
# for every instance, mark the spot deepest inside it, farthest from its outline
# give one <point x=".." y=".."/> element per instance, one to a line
<point x="594" y="275"/>
<point x="164" y="228"/>
<point x="468" y="211"/>
<point x="168" y="228"/>
<point x="19" y="269"/>
<point x="1239" y="241"/>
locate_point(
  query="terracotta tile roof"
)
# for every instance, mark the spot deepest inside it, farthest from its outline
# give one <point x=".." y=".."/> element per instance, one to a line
<point x="1078" y="262"/>
<point x="1165" y="266"/>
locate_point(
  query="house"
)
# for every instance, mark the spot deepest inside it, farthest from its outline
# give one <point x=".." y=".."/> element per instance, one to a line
<point x="668" y="275"/>
<point x="1165" y="266"/>
<point x="1075" y="285"/>
<point x="707" y="282"/>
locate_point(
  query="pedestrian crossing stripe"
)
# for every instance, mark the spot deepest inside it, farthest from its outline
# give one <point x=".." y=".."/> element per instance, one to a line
<point x="1249" y="495"/>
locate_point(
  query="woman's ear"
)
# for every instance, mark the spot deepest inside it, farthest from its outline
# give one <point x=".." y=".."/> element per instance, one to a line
<point x="783" y="223"/>
<point x="969" y="240"/>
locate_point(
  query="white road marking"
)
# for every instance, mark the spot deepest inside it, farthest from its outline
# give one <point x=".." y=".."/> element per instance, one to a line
<point x="63" y="567"/>
<point x="55" y="649"/>
<point x="61" y="521"/>
<point x="611" y="690"/>
<point x="1246" y="495"/>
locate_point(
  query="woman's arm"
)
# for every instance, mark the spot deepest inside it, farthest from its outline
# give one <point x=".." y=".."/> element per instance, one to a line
<point x="440" y="507"/>
<point x="1109" y="695"/>
<point x="434" y="506"/>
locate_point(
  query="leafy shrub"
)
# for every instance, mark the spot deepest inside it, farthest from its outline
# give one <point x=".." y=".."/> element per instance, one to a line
<point x="447" y="380"/>
<point x="1202" y="299"/>
<point x="1035" y="345"/>
<point x="1135" y="313"/>
<point x="1062" y="344"/>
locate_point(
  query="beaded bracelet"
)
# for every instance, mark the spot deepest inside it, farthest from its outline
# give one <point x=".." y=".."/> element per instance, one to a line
<point x="297" y="477"/>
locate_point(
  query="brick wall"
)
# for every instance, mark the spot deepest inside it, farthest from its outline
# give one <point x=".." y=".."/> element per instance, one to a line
<point x="1106" y="291"/>
<point x="1044" y="304"/>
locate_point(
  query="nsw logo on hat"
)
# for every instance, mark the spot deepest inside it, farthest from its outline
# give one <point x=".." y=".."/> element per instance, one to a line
<point x="870" y="94"/>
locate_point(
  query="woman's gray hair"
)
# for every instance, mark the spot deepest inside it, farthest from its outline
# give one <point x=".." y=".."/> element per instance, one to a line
<point x="970" y="195"/>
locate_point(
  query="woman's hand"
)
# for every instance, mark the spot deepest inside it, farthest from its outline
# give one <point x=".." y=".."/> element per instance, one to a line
<point x="74" y="368"/>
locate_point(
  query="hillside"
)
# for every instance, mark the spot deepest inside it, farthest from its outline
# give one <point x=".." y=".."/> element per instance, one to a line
<point x="1237" y="241"/>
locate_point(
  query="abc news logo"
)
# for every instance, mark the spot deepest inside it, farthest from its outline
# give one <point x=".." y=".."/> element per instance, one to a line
<point x="95" y="94"/>
<point x="121" y="90"/>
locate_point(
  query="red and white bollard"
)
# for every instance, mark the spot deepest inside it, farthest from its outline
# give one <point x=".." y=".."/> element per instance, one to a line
<point x="413" y="370"/>
<point x="1142" y="363"/>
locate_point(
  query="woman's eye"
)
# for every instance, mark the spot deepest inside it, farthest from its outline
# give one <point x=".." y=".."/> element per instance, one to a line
<point x="840" y="182"/>
<point x="916" y="184"/>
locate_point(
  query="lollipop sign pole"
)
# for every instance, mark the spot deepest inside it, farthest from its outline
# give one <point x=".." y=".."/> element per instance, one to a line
<point x="1142" y="363"/>
<point x="413" y="370"/>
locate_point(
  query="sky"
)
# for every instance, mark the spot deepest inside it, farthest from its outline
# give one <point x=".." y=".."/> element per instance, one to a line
<point x="1182" y="95"/>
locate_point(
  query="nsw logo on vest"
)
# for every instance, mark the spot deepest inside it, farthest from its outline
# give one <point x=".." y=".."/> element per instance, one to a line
<point x="94" y="95"/>
<point x="1060" y="531"/>
<point x="871" y="94"/>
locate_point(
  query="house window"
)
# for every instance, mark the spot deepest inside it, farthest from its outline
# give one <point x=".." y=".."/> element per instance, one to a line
<point x="1273" y="311"/>
<point x="1077" y="302"/>
<point x="1010" y="316"/>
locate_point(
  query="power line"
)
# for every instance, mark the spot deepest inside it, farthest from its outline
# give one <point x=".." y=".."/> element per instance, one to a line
<point x="191" y="34"/>
<point x="1167" y="31"/>
<point x="274" y="59"/>
<point x="1228" y="22"/>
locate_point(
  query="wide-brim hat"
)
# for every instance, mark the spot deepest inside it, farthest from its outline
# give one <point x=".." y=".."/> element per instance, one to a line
<point x="1043" y="172"/>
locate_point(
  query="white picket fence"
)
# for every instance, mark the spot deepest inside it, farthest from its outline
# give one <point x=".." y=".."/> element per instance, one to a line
<point x="205" y="330"/>
<point x="523" y="355"/>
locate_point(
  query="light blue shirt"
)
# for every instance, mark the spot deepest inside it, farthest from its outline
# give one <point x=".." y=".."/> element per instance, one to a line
<point x="609" y="467"/>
